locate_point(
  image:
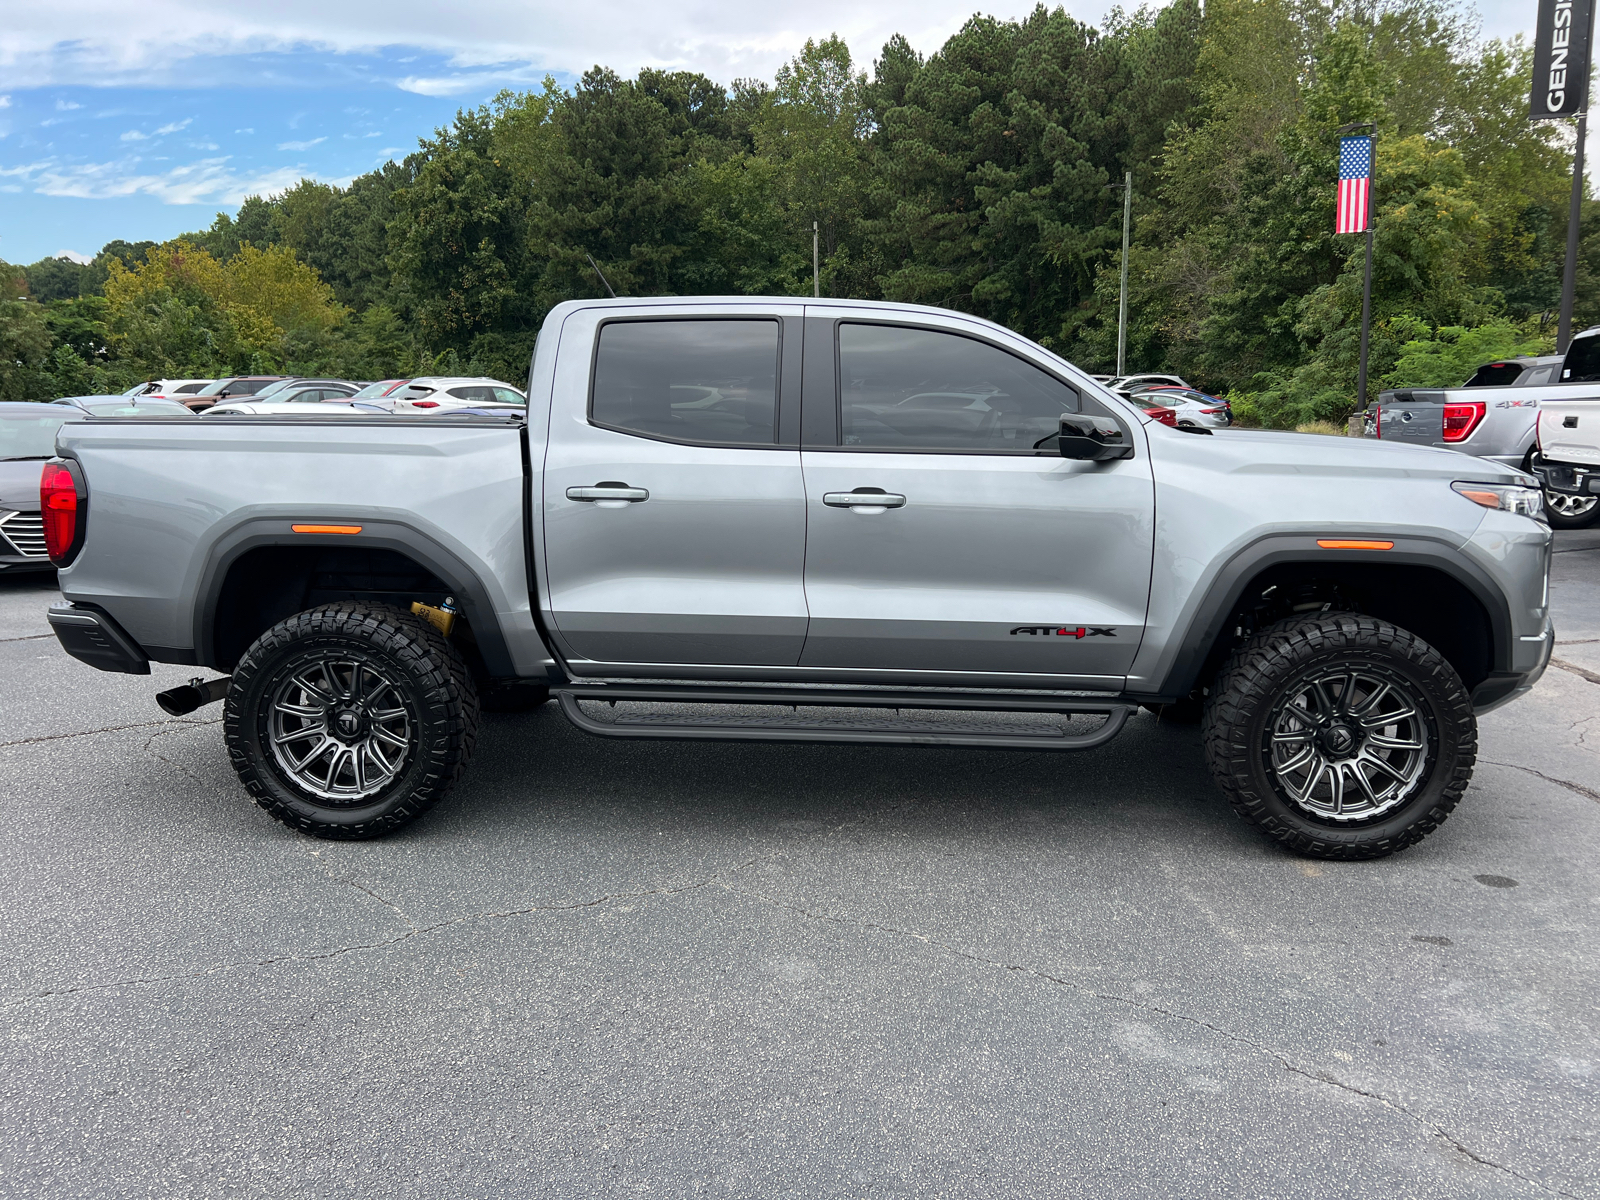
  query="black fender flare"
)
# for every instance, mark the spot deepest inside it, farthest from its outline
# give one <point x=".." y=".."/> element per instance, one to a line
<point x="1227" y="588"/>
<point x="376" y="534"/>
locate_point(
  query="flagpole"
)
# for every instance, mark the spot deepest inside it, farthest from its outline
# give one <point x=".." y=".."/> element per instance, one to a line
<point x="1366" y="310"/>
<point x="1366" y="283"/>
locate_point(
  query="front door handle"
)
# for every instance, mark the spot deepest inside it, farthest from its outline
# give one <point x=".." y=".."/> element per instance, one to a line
<point x="864" y="498"/>
<point x="609" y="490"/>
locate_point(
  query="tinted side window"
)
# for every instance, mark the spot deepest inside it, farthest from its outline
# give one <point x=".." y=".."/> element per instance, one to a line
<point x="474" y="392"/>
<point x="1582" y="364"/>
<point x="692" y="380"/>
<point x="1500" y="374"/>
<point x="1535" y="377"/>
<point x="918" y="389"/>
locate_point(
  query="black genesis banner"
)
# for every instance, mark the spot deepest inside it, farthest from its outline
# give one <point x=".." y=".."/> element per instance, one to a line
<point x="1561" y="58"/>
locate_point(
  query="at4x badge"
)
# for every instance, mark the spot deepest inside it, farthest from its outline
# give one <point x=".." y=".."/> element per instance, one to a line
<point x="1071" y="631"/>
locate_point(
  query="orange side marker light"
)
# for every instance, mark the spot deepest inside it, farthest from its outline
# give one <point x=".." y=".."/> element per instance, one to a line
<point x="1352" y="544"/>
<point x="326" y="528"/>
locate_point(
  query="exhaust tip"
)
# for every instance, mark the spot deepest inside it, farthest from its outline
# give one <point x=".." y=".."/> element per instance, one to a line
<point x="180" y="701"/>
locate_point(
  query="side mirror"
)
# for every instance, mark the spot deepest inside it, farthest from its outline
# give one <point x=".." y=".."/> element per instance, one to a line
<point x="1092" y="439"/>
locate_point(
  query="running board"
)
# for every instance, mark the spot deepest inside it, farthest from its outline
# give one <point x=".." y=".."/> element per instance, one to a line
<point x="853" y="728"/>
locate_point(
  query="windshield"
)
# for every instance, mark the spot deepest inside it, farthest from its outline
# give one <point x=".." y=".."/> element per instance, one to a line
<point x="211" y="389"/>
<point x="381" y="388"/>
<point x="273" y="388"/>
<point x="24" y="435"/>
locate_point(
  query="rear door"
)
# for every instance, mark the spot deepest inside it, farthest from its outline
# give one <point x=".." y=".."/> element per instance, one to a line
<point x="944" y="542"/>
<point x="674" y="510"/>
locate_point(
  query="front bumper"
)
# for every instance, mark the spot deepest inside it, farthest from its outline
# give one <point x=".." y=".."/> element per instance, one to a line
<point x="91" y="636"/>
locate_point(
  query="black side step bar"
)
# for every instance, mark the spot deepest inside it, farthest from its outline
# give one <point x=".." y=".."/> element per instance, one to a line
<point x="847" y="729"/>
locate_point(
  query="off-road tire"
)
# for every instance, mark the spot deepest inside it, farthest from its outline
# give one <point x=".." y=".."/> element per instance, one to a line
<point x="1263" y="671"/>
<point x="426" y="673"/>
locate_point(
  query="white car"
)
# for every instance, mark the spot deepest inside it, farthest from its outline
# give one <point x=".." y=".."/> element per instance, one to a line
<point x="1568" y="461"/>
<point x="439" y="394"/>
<point x="1193" y="407"/>
<point x="167" y="387"/>
<point x="1127" y="383"/>
<point x="317" y="398"/>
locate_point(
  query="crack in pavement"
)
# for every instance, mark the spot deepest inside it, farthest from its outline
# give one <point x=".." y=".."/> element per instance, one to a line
<point x="955" y="951"/>
<point x="1590" y="793"/>
<point x="56" y="737"/>
<point x="32" y="637"/>
<point x="415" y="931"/>
<point x="1575" y="669"/>
<point x="386" y="903"/>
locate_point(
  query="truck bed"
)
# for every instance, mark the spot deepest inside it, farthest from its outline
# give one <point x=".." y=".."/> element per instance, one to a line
<point x="172" y="501"/>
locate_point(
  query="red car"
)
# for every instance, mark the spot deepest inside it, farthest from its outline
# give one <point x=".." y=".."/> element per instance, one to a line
<point x="1167" y="416"/>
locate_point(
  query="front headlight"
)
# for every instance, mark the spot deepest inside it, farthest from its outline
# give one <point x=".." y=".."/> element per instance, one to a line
<point x="1507" y="497"/>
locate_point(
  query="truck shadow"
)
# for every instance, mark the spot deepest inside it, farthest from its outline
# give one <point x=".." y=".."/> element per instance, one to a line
<point x="531" y="766"/>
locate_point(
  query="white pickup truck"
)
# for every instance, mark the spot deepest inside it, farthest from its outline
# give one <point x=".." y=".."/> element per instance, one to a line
<point x="1495" y="413"/>
<point x="1568" y="459"/>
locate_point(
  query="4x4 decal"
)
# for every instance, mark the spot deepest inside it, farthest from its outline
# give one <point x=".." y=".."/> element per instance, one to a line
<point x="1077" y="631"/>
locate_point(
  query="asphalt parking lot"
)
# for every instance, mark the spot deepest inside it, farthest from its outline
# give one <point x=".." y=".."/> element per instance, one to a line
<point x="633" y="969"/>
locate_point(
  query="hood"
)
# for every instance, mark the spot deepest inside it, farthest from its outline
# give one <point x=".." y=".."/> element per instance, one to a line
<point x="19" y="485"/>
<point x="1263" y="451"/>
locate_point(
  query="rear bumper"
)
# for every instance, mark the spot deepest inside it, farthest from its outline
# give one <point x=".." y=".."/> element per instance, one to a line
<point x="1573" y="478"/>
<point x="92" y="637"/>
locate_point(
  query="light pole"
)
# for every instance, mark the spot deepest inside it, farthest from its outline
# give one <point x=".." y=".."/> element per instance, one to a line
<point x="816" y="264"/>
<point x="1122" y="307"/>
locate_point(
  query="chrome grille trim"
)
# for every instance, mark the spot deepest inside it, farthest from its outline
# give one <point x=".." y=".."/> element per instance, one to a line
<point x="23" y="533"/>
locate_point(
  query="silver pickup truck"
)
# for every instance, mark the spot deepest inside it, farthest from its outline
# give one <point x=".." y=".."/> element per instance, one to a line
<point x="1495" y="415"/>
<point x="767" y="519"/>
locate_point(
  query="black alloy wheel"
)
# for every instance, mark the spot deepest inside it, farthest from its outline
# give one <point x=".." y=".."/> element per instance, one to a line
<point x="1340" y="735"/>
<point x="350" y="720"/>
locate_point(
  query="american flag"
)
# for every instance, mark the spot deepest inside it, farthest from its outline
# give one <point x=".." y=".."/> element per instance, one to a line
<point x="1355" y="184"/>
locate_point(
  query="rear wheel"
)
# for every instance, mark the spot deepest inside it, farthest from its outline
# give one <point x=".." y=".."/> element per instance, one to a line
<point x="350" y="720"/>
<point x="1340" y="735"/>
<point x="1566" y="511"/>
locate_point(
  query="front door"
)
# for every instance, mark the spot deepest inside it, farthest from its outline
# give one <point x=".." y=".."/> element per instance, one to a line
<point x="674" y="517"/>
<point x="942" y="538"/>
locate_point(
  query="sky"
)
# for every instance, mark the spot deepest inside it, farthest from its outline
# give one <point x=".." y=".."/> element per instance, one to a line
<point x="142" y="121"/>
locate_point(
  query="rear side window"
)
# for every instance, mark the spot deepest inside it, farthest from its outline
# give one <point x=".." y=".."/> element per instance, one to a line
<point x="919" y="389"/>
<point x="708" y="381"/>
<point x="1582" y="364"/>
<point x="476" y="393"/>
<point x="1500" y="374"/>
<point x="507" y="396"/>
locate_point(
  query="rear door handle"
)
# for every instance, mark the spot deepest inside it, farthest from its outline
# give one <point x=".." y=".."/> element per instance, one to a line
<point x="863" y="498"/>
<point x="609" y="491"/>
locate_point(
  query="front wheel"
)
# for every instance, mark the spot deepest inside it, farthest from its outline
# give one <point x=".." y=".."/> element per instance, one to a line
<point x="1340" y="735"/>
<point x="350" y="720"/>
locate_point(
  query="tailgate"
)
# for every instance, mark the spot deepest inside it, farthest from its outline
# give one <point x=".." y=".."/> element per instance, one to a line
<point x="1410" y="421"/>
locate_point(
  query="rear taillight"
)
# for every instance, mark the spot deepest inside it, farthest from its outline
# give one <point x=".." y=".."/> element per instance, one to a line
<point x="62" y="509"/>
<point x="424" y="404"/>
<point x="1461" y="419"/>
<point x="1167" y="416"/>
<point x="1211" y="412"/>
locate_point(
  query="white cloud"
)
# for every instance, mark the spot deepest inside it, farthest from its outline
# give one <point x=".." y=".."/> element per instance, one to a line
<point x="205" y="181"/>
<point x="244" y="130"/>
<point x="301" y="145"/>
<point x="204" y="146"/>
<point x="111" y="42"/>
<point x="66" y="106"/>
<point x="133" y="135"/>
<point x="76" y="256"/>
<point x="175" y="126"/>
<point x="5" y="101"/>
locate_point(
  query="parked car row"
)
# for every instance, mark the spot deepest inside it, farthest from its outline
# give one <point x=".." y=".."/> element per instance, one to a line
<point x="261" y="395"/>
